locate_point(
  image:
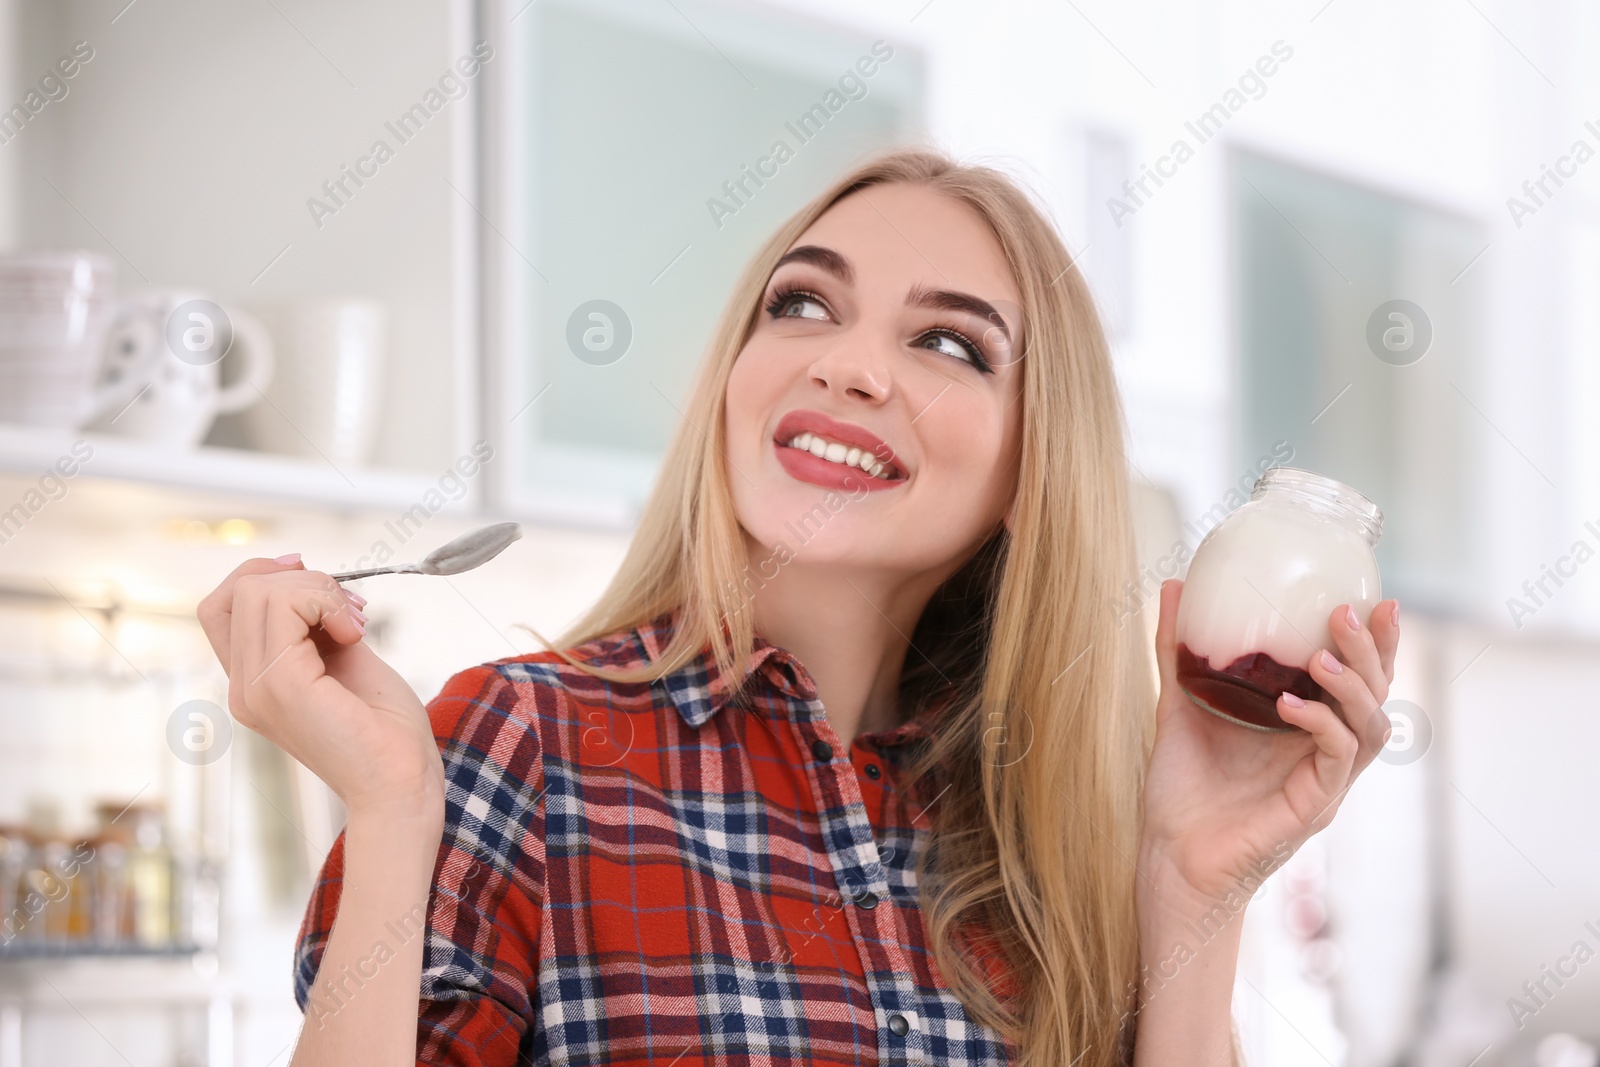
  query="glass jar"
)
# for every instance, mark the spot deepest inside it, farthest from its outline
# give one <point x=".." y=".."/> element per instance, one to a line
<point x="1258" y="593"/>
<point x="112" y="922"/>
<point x="50" y="891"/>
<point x="13" y="863"/>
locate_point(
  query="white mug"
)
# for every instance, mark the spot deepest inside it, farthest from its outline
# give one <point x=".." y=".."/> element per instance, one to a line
<point x="161" y="374"/>
<point x="329" y="382"/>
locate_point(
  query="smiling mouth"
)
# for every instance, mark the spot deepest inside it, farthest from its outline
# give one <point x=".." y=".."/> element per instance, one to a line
<point x="844" y="455"/>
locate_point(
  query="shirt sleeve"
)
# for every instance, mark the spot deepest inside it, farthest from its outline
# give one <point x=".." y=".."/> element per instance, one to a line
<point x="485" y="908"/>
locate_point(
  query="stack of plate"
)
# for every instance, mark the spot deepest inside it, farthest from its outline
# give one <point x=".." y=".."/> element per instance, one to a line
<point x="55" y="308"/>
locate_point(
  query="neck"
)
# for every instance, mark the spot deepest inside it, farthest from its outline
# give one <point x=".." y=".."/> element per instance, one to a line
<point x="850" y="629"/>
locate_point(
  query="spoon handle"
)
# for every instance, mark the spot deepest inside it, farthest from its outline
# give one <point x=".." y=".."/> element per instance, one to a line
<point x="348" y="576"/>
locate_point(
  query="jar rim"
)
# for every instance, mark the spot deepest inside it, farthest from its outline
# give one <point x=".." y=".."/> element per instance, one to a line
<point x="1324" y="494"/>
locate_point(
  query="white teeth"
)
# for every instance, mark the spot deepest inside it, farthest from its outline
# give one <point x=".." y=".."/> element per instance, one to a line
<point x="834" y="452"/>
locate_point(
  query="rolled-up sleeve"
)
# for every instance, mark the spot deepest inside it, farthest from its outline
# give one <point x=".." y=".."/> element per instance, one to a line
<point x="487" y="902"/>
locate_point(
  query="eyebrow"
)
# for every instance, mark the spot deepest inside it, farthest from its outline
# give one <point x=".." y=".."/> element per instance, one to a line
<point x="937" y="299"/>
<point x="949" y="300"/>
<point x="825" y="258"/>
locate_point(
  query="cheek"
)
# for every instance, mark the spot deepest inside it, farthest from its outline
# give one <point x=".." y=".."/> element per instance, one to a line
<point x="744" y="402"/>
<point x="970" y="441"/>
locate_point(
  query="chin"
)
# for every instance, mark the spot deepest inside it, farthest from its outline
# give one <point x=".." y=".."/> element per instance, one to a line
<point x="812" y="534"/>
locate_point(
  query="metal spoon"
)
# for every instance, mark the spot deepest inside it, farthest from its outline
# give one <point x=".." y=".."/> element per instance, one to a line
<point x="472" y="549"/>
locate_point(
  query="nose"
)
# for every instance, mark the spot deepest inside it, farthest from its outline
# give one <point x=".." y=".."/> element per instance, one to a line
<point x="853" y="369"/>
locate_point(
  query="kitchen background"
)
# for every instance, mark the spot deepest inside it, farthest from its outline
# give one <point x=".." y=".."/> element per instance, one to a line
<point x="404" y="216"/>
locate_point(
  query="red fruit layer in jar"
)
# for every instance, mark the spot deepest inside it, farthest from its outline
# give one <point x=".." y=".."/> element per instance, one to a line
<point x="1247" y="689"/>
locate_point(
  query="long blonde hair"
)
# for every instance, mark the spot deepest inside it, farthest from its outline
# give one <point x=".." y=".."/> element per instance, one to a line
<point x="1046" y="744"/>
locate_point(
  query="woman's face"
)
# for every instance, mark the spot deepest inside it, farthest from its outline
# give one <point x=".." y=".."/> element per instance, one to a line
<point x="887" y="341"/>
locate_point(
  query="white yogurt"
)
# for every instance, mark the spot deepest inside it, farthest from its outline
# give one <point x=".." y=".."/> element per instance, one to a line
<point x="1267" y="577"/>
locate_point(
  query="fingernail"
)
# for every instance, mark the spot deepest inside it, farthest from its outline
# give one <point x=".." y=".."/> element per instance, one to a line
<point x="292" y="557"/>
<point x="1394" y="616"/>
<point x="1292" y="700"/>
<point x="361" y="623"/>
<point x="1332" y="664"/>
<point x="1350" y="618"/>
<point x="361" y="619"/>
<point x="354" y="597"/>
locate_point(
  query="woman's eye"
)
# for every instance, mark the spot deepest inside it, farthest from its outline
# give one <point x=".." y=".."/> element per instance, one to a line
<point x="798" y="306"/>
<point x="951" y="345"/>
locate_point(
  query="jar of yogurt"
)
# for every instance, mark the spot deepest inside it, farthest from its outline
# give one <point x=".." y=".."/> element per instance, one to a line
<point x="1258" y="593"/>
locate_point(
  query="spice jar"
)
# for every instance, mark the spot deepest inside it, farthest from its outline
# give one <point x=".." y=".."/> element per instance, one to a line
<point x="1258" y="593"/>
<point x="13" y="862"/>
<point x="49" y="891"/>
<point x="111" y="924"/>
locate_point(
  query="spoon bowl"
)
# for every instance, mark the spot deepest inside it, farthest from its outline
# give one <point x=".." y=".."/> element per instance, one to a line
<point x="472" y="549"/>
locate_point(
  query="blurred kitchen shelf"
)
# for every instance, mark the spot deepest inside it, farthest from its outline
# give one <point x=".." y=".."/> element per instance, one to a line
<point x="18" y="953"/>
<point x="31" y="451"/>
<point x="197" y="983"/>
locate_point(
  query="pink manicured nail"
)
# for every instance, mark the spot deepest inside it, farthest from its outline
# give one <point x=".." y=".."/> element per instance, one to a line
<point x="361" y="622"/>
<point x="292" y="557"/>
<point x="354" y="597"/>
<point x="1350" y="618"/>
<point x="1394" y="616"/>
<point x="1332" y="664"/>
<point x="1292" y="700"/>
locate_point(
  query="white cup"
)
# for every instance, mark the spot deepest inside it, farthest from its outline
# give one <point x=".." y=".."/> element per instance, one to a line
<point x="331" y="360"/>
<point x="160" y="378"/>
<point x="54" y="309"/>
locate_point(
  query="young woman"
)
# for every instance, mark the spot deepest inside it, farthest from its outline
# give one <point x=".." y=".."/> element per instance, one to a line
<point x="853" y="762"/>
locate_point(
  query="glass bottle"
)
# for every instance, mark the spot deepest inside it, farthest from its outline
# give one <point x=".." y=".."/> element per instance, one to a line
<point x="1258" y="593"/>
<point x="150" y="878"/>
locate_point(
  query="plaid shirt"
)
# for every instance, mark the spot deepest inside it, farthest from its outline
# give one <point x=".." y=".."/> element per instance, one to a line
<point x="672" y="873"/>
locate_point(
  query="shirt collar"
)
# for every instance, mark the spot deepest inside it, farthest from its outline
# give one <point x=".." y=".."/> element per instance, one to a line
<point x="698" y="690"/>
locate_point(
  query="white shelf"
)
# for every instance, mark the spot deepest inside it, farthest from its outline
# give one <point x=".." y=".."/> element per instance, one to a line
<point x="112" y="980"/>
<point x="30" y="451"/>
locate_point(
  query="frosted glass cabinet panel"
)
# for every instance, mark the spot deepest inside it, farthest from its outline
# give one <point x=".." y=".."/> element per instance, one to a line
<point x="650" y="148"/>
<point x="1359" y="346"/>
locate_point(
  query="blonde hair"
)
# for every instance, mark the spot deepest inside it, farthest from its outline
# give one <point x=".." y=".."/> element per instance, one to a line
<point x="1045" y="746"/>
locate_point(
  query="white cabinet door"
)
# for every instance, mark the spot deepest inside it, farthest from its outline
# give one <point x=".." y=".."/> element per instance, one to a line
<point x="636" y="154"/>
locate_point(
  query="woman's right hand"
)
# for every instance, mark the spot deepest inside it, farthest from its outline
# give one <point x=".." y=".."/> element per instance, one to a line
<point x="300" y="675"/>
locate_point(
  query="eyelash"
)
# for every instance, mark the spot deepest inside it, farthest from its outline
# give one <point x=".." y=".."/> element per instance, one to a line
<point x="782" y="297"/>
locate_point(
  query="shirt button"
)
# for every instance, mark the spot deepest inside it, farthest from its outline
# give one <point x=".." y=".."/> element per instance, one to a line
<point x="868" y="900"/>
<point x="822" y="750"/>
<point x="898" y="1026"/>
<point x="874" y="772"/>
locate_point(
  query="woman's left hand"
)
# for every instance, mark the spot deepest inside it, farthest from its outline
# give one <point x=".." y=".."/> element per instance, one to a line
<point x="1224" y="806"/>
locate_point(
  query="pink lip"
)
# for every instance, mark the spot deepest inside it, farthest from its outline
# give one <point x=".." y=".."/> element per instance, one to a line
<point x="806" y="467"/>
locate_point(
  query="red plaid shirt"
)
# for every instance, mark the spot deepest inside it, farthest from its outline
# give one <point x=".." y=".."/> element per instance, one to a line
<point x="657" y="873"/>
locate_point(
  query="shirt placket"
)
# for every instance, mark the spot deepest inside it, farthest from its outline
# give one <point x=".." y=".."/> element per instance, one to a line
<point x="876" y="926"/>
